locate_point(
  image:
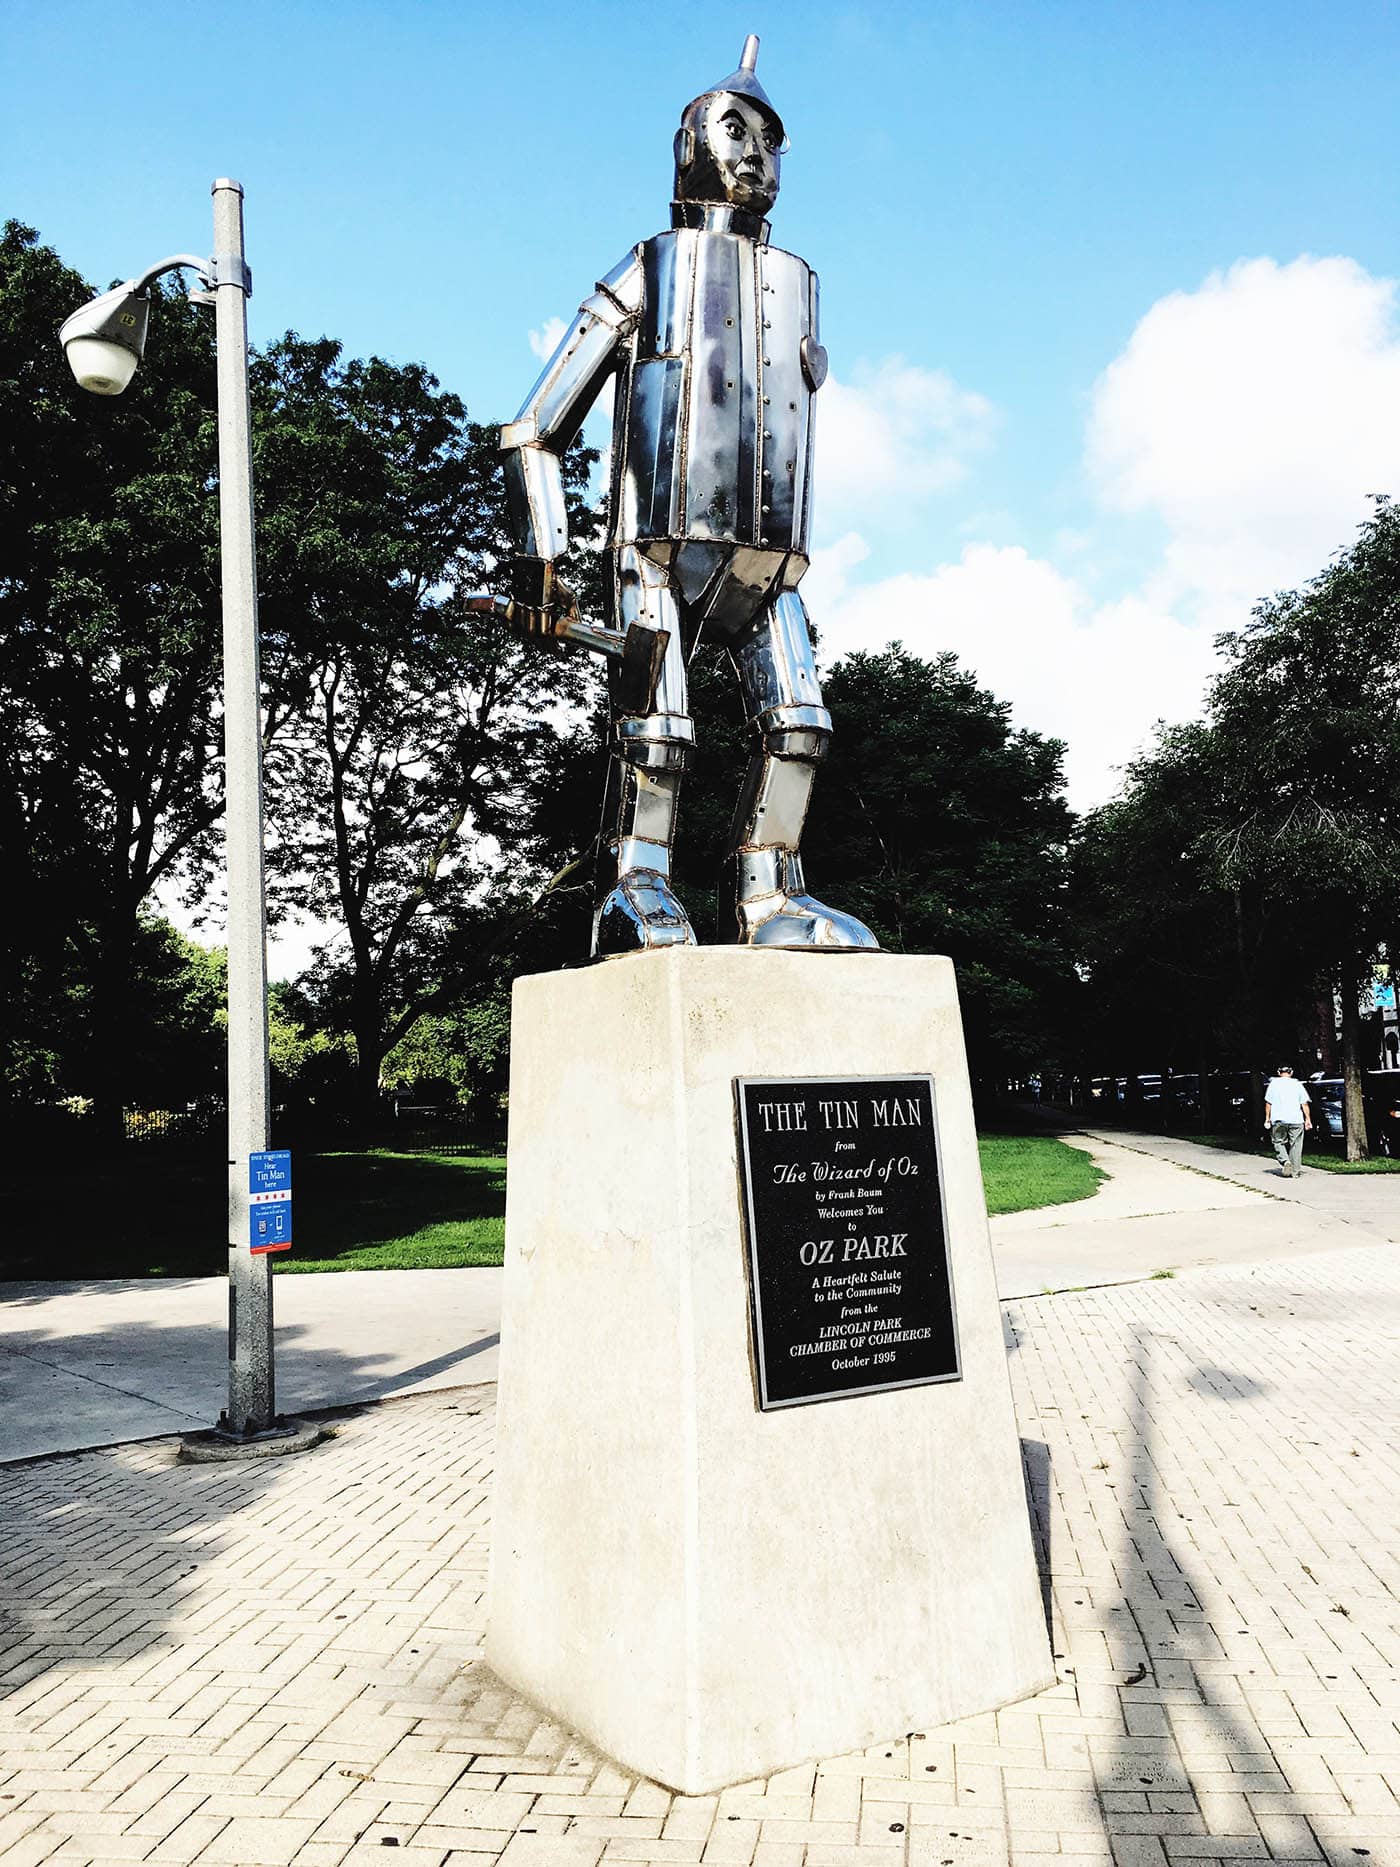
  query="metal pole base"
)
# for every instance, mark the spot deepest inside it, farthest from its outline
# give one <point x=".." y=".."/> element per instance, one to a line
<point x="218" y="1444"/>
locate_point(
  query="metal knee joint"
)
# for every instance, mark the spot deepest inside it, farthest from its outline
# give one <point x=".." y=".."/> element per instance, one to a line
<point x="801" y="732"/>
<point x="656" y="741"/>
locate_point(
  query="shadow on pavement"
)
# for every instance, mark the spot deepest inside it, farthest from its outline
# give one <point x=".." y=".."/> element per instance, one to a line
<point x="75" y="1388"/>
<point x="27" y="1293"/>
<point x="102" y="1550"/>
<point x="1190" y="1754"/>
<point x="95" y="1569"/>
<point x="425" y="1370"/>
<point x="1035" y="1462"/>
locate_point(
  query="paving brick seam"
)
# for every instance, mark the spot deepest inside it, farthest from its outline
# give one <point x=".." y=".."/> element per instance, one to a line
<point x="280" y="1662"/>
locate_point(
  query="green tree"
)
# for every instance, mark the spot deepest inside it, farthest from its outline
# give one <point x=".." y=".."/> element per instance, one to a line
<point x="398" y="789"/>
<point x="1307" y="719"/>
<point x="108" y="661"/>
<point x="462" y="1056"/>
<point x="1185" y="971"/>
<point x="417" y="730"/>
<point x="945" y="828"/>
<point x="176" y="1018"/>
<point x="1251" y="867"/>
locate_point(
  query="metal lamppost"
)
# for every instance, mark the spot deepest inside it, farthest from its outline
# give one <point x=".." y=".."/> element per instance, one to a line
<point x="104" y="342"/>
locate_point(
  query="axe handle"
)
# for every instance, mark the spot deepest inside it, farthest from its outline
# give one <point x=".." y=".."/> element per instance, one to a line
<point x="640" y="651"/>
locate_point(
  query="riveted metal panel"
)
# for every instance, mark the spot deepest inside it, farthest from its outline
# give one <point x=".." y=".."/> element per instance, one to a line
<point x="650" y="480"/>
<point x="714" y="414"/>
<point x="668" y="264"/>
<point x="776" y="664"/>
<point x="715" y="505"/>
<point x="785" y="309"/>
<point x="750" y="527"/>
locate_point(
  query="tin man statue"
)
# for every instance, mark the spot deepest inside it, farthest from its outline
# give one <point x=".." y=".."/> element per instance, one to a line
<point x="712" y="334"/>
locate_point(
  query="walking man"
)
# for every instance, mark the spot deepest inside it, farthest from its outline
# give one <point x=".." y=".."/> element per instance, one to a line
<point x="1287" y="1117"/>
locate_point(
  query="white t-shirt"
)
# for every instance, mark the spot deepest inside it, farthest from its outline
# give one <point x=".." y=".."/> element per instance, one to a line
<point x="1286" y="1098"/>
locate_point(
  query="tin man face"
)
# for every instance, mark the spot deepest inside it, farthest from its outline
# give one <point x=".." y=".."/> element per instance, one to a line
<point x="727" y="149"/>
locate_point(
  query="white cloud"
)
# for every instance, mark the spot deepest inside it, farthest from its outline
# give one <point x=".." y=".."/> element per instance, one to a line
<point x="828" y="581"/>
<point x="1253" y="416"/>
<point x="896" y="431"/>
<point x="1097" y="675"/>
<point x="546" y="340"/>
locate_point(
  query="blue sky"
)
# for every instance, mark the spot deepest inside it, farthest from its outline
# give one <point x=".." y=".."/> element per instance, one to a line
<point x="1107" y="289"/>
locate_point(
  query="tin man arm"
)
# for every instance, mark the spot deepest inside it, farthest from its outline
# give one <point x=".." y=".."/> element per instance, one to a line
<point x="552" y="414"/>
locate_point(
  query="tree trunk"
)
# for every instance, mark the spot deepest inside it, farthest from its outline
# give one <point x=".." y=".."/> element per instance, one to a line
<point x="1251" y="1026"/>
<point x="369" y="1059"/>
<point x="1353" y="1097"/>
<point x="1326" y="1021"/>
<point x="110" y="1057"/>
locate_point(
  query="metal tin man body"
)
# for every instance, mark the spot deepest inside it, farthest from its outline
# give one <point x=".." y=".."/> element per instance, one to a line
<point x="713" y="336"/>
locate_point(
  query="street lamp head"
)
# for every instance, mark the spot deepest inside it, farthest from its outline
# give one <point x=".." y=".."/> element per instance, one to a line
<point x="104" y="340"/>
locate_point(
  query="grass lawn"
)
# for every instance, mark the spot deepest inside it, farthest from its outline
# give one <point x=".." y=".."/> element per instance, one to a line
<point x="1020" y="1171"/>
<point x="160" y="1213"/>
<point x="382" y="1211"/>
<point x="1327" y="1159"/>
<point x="152" y="1214"/>
<point x="1333" y="1163"/>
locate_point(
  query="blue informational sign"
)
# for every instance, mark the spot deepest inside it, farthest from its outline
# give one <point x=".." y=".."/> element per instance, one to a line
<point x="270" y="1225"/>
<point x="270" y="1172"/>
<point x="270" y="1200"/>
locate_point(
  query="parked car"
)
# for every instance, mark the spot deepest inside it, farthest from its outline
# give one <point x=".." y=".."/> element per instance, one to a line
<point x="1380" y="1090"/>
<point x="1184" y="1100"/>
<point x="1325" y="1094"/>
<point x="1229" y="1094"/>
<point x="1383" y="1111"/>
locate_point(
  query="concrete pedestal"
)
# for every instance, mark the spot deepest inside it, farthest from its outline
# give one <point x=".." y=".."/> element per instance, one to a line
<point x="705" y="1591"/>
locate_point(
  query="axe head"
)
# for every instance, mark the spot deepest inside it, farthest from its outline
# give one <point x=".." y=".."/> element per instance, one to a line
<point x="643" y="652"/>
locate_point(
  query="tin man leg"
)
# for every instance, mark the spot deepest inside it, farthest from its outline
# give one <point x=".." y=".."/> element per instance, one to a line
<point x="654" y="749"/>
<point x="771" y="906"/>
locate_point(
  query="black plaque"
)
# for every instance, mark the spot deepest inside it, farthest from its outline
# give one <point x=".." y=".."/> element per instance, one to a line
<point x="848" y="1258"/>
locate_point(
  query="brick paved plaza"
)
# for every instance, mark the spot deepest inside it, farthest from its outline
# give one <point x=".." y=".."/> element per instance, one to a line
<point x="276" y="1662"/>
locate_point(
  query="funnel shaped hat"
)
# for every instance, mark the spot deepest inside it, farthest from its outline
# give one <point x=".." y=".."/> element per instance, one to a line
<point x="742" y="82"/>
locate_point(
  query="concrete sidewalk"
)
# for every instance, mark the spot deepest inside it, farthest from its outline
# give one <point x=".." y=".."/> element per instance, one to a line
<point x="1367" y="1202"/>
<point x="278" y="1664"/>
<point x="1170" y="1204"/>
<point x="100" y="1363"/>
<point x="97" y="1363"/>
